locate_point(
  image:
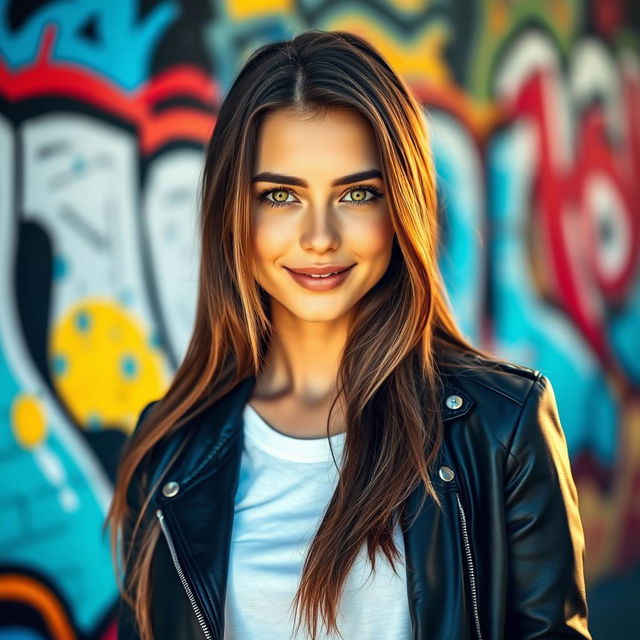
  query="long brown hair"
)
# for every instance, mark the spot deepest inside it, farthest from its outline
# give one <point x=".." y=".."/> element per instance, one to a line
<point x="401" y="332"/>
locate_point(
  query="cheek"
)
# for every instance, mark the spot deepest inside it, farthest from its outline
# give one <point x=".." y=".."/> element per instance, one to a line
<point x="373" y="238"/>
<point x="269" y="239"/>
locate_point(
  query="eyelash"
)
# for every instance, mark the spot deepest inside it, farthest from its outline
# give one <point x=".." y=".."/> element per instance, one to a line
<point x="374" y="190"/>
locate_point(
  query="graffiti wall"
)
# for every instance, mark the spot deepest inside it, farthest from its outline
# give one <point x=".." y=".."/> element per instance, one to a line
<point x="534" y="113"/>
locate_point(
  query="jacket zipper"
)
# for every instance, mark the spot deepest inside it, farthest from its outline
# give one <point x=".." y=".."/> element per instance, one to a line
<point x="185" y="584"/>
<point x="472" y="579"/>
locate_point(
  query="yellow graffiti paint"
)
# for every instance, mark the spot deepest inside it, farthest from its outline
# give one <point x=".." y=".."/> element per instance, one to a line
<point x="28" y="420"/>
<point x="409" y="5"/>
<point x="247" y="9"/>
<point x="104" y="365"/>
<point x="498" y="18"/>
<point x="422" y="58"/>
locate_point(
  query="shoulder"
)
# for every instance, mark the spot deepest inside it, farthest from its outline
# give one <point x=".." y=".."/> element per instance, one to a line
<point x="133" y="498"/>
<point x="492" y="378"/>
<point x="515" y="471"/>
<point x="142" y="416"/>
<point x="499" y="393"/>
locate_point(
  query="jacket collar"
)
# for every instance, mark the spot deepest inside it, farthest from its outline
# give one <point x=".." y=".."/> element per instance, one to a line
<point x="209" y="436"/>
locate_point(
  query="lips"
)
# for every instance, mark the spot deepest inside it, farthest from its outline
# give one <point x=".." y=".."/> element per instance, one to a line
<point x="321" y="282"/>
<point x="320" y="271"/>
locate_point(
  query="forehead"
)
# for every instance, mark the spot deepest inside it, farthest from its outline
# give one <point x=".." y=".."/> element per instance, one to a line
<point x="334" y="142"/>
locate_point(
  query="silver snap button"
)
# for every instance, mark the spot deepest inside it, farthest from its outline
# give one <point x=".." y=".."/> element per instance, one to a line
<point x="454" y="402"/>
<point x="446" y="473"/>
<point x="170" y="489"/>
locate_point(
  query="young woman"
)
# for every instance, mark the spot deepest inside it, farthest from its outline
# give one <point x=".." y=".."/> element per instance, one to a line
<point x="333" y="458"/>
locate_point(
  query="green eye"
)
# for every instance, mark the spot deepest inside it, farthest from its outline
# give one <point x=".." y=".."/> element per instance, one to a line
<point x="360" y="195"/>
<point x="280" y="198"/>
<point x="360" y="192"/>
<point x="281" y="194"/>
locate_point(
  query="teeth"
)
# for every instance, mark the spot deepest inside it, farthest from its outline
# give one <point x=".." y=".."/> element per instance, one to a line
<point x="324" y="276"/>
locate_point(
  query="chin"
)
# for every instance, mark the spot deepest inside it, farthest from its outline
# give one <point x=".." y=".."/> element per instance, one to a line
<point x="323" y="312"/>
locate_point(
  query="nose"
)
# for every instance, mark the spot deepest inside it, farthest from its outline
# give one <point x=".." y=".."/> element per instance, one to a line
<point x="320" y="232"/>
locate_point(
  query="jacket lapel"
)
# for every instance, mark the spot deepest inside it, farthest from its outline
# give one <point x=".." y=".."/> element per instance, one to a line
<point x="433" y="545"/>
<point x="199" y="516"/>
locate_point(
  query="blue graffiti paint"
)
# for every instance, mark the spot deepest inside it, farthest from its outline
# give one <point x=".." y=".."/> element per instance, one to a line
<point x="82" y="321"/>
<point x="79" y="165"/>
<point x="94" y="422"/>
<point x="19" y="633"/>
<point x="154" y="339"/>
<point x="462" y="260"/>
<point x="624" y="333"/>
<point x="129" y="366"/>
<point x="126" y="297"/>
<point x="38" y="530"/>
<point x="527" y="329"/>
<point x="60" y="267"/>
<point x="121" y="51"/>
<point x="59" y="364"/>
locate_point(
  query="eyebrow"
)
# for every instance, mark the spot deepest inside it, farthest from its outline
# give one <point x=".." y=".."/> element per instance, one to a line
<point x="268" y="176"/>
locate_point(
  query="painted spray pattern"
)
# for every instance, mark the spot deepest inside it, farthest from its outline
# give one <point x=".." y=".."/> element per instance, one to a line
<point x="533" y="110"/>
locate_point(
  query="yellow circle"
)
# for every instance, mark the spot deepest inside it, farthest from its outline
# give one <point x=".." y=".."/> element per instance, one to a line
<point x="104" y="364"/>
<point x="28" y="420"/>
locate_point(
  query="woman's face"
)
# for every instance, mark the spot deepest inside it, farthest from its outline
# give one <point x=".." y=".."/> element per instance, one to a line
<point x="323" y="213"/>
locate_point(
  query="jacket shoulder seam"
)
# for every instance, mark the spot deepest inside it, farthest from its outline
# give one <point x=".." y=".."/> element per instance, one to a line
<point x="519" y="418"/>
<point x="521" y="404"/>
<point x="500" y="391"/>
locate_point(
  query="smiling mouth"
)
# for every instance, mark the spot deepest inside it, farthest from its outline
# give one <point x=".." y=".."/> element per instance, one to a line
<point x="321" y="282"/>
<point x="320" y="275"/>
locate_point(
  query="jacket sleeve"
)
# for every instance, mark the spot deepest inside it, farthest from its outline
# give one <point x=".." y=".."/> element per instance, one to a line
<point x="546" y="595"/>
<point x="126" y="621"/>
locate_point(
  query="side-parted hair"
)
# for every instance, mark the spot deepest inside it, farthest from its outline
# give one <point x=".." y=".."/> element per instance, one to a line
<point x="401" y="331"/>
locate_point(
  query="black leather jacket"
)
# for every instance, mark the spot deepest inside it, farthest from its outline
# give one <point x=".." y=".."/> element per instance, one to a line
<point x="503" y="559"/>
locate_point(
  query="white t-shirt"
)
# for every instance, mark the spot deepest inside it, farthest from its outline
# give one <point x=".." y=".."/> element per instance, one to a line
<point x="284" y="487"/>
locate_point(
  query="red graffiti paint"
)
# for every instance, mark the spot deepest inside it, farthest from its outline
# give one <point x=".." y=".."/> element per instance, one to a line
<point x="52" y="78"/>
<point x="565" y="201"/>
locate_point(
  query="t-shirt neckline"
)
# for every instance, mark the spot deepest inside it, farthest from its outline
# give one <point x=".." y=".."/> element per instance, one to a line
<point x="281" y="445"/>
